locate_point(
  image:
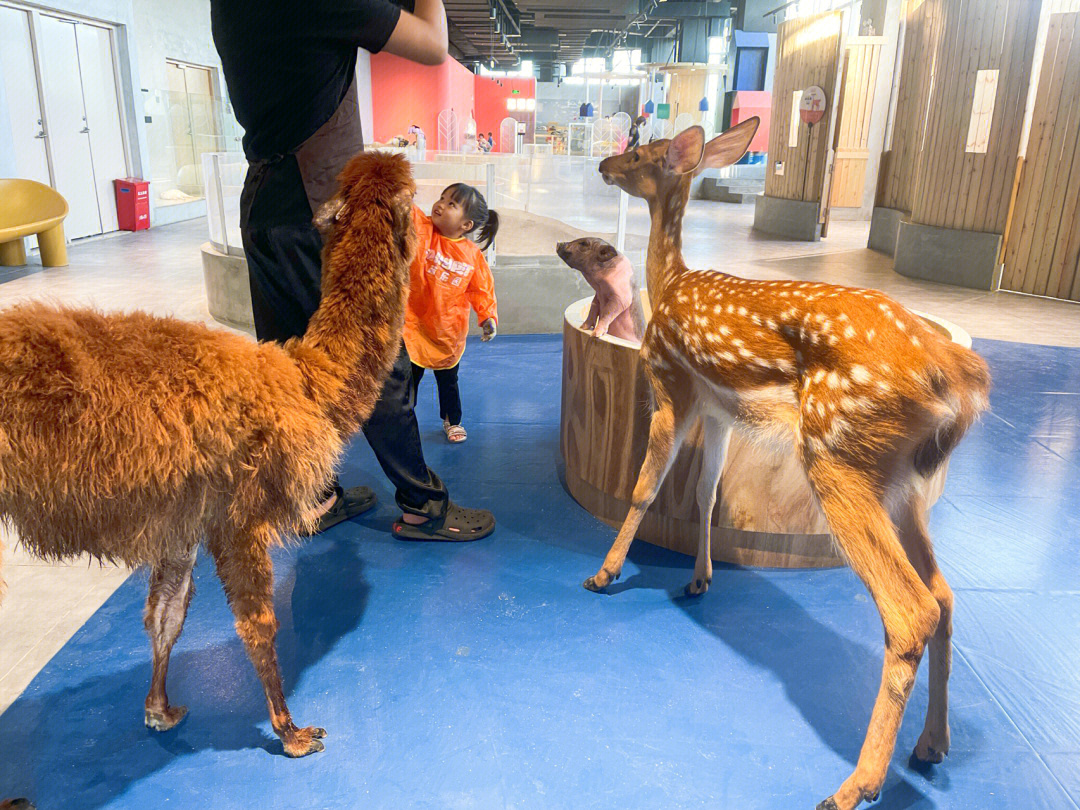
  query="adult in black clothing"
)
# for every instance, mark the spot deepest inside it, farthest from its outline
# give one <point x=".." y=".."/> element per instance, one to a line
<point x="290" y="68"/>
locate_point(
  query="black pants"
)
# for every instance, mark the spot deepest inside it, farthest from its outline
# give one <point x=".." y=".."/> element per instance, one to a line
<point x="285" y="273"/>
<point x="449" y="396"/>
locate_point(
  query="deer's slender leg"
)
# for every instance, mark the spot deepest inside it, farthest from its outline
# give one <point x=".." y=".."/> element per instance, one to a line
<point x="245" y="569"/>
<point x="717" y="436"/>
<point x="666" y="433"/>
<point x="166" y="609"/>
<point x="909" y="612"/>
<point x="933" y="744"/>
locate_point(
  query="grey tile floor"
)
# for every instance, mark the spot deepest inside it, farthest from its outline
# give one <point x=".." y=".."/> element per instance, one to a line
<point x="161" y="271"/>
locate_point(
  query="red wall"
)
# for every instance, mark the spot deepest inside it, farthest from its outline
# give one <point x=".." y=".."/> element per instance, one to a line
<point x="491" y="105"/>
<point x="404" y="93"/>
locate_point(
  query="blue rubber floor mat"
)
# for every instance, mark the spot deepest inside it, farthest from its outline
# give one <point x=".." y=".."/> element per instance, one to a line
<point x="482" y="675"/>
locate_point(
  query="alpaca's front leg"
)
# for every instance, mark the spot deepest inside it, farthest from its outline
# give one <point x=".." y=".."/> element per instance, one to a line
<point x="245" y="569"/>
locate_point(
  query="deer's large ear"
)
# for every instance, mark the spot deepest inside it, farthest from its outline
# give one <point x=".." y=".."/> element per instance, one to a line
<point x="685" y="151"/>
<point x="729" y="146"/>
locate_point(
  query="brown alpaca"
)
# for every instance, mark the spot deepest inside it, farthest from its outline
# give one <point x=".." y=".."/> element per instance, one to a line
<point x="135" y="439"/>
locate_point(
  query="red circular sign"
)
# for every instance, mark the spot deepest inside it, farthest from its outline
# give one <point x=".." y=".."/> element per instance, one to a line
<point x="812" y="105"/>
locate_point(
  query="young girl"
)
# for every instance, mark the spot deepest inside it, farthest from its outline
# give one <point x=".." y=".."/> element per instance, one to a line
<point x="448" y="275"/>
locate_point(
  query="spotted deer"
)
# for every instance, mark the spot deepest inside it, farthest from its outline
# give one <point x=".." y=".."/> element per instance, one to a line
<point x="870" y="398"/>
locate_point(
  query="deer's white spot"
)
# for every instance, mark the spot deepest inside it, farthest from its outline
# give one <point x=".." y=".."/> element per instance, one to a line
<point x="833" y="380"/>
<point x="859" y="374"/>
<point x="728" y="356"/>
<point x="819" y="375"/>
<point x="870" y="334"/>
<point x="849" y="332"/>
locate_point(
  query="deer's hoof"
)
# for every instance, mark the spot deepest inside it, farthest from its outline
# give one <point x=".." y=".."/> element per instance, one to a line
<point x="828" y="804"/>
<point x="698" y="586"/>
<point x="591" y="584"/>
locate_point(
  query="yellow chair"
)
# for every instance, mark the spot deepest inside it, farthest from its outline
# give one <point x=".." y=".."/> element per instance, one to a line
<point x="28" y="207"/>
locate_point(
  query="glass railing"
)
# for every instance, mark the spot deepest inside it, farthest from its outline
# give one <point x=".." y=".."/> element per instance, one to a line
<point x="181" y="128"/>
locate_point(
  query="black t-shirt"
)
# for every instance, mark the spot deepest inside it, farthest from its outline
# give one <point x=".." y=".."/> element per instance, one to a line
<point x="288" y="63"/>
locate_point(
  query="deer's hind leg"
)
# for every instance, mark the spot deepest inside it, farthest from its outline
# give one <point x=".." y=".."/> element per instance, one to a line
<point x="166" y="608"/>
<point x="670" y="422"/>
<point x="717" y="436"/>
<point x="933" y="743"/>
<point x="909" y="613"/>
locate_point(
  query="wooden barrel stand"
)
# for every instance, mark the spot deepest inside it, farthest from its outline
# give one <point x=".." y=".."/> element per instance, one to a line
<point x="765" y="513"/>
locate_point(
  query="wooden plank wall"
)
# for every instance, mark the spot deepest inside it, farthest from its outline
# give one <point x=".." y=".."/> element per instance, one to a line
<point x="862" y="56"/>
<point x="965" y="190"/>
<point x="807" y="54"/>
<point x="896" y="177"/>
<point x="1042" y="252"/>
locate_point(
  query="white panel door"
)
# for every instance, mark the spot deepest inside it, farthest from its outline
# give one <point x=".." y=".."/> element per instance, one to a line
<point x="69" y="135"/>
<point x="102" y="105"/>
<point x="20" y="86"/>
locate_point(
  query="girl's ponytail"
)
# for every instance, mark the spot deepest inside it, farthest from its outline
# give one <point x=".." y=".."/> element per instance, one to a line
<point x="488" y="231"/>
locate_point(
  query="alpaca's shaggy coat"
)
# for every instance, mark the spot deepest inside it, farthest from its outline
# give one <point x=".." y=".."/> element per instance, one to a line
<point x="135" y="438"/>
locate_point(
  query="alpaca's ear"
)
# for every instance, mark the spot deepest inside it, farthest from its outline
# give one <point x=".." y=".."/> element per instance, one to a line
<point x="329" y="212"/>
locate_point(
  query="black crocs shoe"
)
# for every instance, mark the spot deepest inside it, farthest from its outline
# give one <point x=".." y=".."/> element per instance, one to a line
<point x="349" y="504"/>
<point x="458" y="525"/>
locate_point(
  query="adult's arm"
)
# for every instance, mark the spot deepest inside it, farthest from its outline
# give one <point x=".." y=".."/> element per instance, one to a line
<point x="421" y="35"/>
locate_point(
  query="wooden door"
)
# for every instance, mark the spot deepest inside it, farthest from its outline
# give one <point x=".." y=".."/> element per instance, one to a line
<point x="862" y="56"/>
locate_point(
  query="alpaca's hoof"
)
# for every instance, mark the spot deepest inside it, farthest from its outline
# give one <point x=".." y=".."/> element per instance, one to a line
<point x="159" y="720"/>
<point x="928" y="755"/>
<point x="698" y="586"/>
<point x="305" y="741"/>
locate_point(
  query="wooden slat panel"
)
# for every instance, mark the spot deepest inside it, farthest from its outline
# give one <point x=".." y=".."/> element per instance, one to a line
<point x="1042" y="254"/>
<point x="955" y="188"/>
<point x="922" y="28"/>
<point x="807" y="51"/>
<point x="1033" y="176"/>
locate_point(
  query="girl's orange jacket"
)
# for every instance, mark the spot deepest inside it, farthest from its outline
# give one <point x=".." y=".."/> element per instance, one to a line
<point x="446" y="277"/>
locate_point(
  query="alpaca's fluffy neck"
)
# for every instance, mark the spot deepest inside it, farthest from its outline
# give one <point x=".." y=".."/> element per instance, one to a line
<point x="354" y="337"/>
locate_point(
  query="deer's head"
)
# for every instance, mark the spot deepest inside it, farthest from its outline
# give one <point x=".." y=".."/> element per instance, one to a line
<point x="653" y="171"/>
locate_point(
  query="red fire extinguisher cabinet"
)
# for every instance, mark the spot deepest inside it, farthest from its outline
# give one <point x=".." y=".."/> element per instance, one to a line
<point x="132" y="203"/>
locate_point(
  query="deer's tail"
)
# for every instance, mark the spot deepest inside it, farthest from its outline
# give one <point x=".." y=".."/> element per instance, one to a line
<point x="962" y="383"/>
